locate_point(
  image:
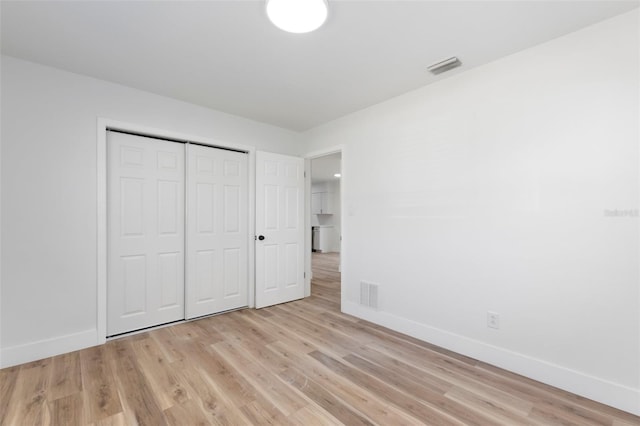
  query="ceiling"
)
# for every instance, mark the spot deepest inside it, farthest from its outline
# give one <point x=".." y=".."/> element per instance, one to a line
<point x="324" y="168"/>
<point x="225" y="55"/>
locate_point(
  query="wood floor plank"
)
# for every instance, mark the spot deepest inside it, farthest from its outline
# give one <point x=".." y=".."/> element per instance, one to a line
<point x="101" y="395"/>
<point x="299" y="363"/>
<point x="435" y="399"/>
<point x="347" y="329"/>
<point x="217" y="407"/>
<point x="186" y="413"/>
<point x="619" y="422"/>
<point x="263" y="379"/>
<point x="375" y="406"/>
<point x="172" y="342"/>
<point x="68" y="410"/>
<point x="228" y="381"/>
<point x="138" y="398"/>
<point x="420" y="369"/>
<point x="317" y="334"/>
<point x="552" y="413"/>
<point x="500" y="413"/>
<point x="404" y="401"/>
<point x="403" y="371"/>
<point x="66" y="376"/>
<point x="231" y="381"/>
<point x="324" y="399"/>
<point x="8" y="379"/>
<point x="115" y="420"/>
<point x="160" y="374"/>
<point x="28" y="404"/>
<point x="403" y="339"/>
<point x="312" y="415"/>
<point x="465" y="413"/>
<point x="262" y="413"/>
<point x="249" y="330"/>
<point x="548" y="394"/>
<point x="281" y="333"/>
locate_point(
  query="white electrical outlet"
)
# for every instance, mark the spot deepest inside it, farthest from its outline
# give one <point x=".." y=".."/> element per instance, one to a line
<point x="493" y="320"/>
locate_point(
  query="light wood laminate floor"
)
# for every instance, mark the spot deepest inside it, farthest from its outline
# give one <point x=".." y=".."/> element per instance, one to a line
<point x="301" y="363"/>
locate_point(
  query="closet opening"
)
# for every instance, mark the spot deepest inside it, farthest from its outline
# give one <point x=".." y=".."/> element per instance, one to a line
<point x="186" y="214"/>
<point x="177" y="230"/>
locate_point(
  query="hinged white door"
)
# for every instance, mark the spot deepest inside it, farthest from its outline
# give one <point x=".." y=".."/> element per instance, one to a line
<point x="217" y="230"/>
<point x="145" y="279"/>
<point x="279" y="228"/>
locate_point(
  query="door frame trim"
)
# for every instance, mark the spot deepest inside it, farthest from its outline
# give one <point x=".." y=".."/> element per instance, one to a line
<point x="104" y="124"/>
<point x="307" y="202"/>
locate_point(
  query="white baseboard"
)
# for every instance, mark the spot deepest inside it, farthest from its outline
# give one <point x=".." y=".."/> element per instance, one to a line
<point x="33" y="351"/>
<point x="613" y="394"/>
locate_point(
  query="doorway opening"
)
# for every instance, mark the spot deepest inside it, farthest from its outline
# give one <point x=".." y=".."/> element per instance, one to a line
<point x="326" y="227"/>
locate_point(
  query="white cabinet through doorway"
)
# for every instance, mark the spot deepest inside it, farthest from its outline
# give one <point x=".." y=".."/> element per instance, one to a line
<point x="321" y="203"/>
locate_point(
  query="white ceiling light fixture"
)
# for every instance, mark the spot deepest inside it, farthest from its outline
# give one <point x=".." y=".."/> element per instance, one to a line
<point x="337" y="175"/>
<point x="297" y="16"/>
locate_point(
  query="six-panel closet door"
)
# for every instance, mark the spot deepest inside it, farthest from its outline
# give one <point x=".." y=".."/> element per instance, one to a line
<point x="173" y="256"/>
<point x="145" y="272"/>
<point x="217" y="230"/>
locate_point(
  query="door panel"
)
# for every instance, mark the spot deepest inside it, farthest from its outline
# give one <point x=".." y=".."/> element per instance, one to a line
<point x="131" y="211"/>
<point x="171" y="282"/>
<point x="292" y="263"/>
<point x="134" y="284"/>
<point x="279" y="219"/>
<point x="217" y="230"/>
<point x="205" y="278"/>
<point x="232" y="272"/>
<point x="168" y="207"/>
<point x="145" y="282"/>
<point x="205" y="213"/>
<point x="232" y="208"/>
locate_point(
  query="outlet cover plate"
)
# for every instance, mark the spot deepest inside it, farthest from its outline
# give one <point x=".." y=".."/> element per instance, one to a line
<point x="493" y="320"/>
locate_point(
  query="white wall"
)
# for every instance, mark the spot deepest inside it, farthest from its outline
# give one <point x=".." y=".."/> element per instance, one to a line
<point x="488" y="191"/>
<point x="49" y="120"/>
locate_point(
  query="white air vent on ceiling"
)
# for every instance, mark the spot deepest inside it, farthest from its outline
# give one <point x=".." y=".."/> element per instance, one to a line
<point x="446" y="65"/>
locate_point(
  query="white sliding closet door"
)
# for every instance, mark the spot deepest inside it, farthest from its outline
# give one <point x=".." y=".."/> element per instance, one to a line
<point x="217" y="230"/>
<point x="145" y="283"/>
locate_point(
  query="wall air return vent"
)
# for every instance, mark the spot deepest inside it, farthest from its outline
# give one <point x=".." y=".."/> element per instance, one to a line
<point x="443" y="66"/>
<point x="369" y="294"/>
